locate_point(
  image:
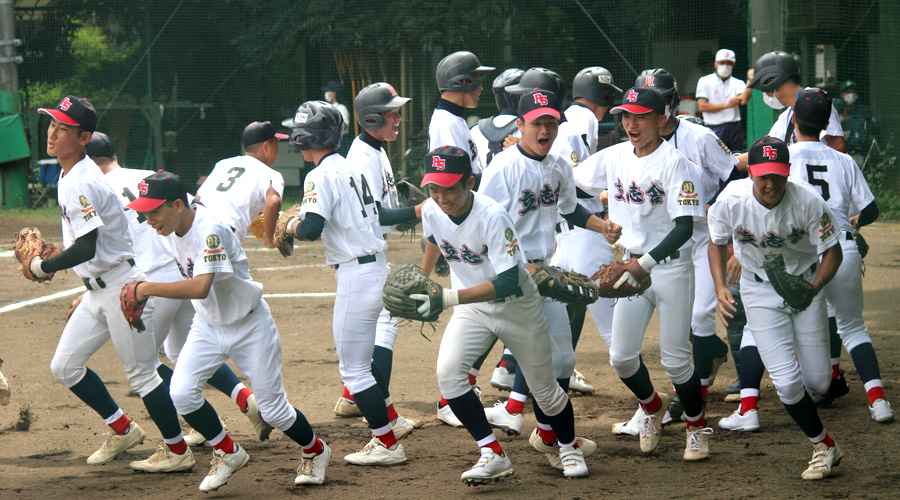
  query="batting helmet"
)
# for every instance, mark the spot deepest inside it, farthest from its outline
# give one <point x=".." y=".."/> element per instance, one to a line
<point x="504" y="99"/>
<point x="663" y="82"/>
<point x="373" y="100"/>
<point x="541" y="78"/>
<point x="316" y="124"/>
<point x="772" y="69"/>
<point x="596" y="85"/>
<point x="456" y="72"/>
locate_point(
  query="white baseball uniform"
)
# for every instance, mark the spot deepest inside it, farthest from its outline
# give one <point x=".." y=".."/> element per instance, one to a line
<point x="585" y="124"/>
<point x="449" y="128"/>
<point x="841" y="184"/>
<point x="484" y="245"/>
<point x="646" y="195"/>
<point x="717" y="91"/>
<point x="779" y="129"/>
<point x="236" y="189"/>
<point x="800" y="227"/>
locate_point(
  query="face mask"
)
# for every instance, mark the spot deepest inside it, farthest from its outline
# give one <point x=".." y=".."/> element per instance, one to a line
<point x="772" y="101"/>
<point x="329" y="95"/>
<point x="724" y="70"/>
<point x="850" y="98"/>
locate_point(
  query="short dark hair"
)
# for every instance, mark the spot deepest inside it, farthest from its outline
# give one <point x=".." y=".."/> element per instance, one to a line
<point x="808" y="129"/>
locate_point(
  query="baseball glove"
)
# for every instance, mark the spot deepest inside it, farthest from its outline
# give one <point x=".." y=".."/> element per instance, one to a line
<point x="441" y="267"/>
<point x="283" y="242"/>
<point x="410" y="196"/>
<point x="131" y="308"/>
<point x="257" y="228"/>
<point x="565" y="286"/>
<point x="796" y="291"/>
<point x="72" y="307"/>
<point x="30" y="244"/>
<point x="863" y="245"/>
<point x="4" y="388"/>
<point x="407" y="280"/>
<point x="612" y="281"/>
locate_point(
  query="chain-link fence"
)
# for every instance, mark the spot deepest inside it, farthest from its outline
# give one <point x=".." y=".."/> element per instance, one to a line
<point x="175" y="81"/>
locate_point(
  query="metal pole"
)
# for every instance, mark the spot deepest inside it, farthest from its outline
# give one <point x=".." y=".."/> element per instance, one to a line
<point x="9" y="75"/>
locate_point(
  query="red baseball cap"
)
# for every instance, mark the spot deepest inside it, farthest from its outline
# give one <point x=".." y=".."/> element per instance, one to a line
<point x="74" y="110"/>
<point x="538" y="103"/>
<point x="446" y="165"/>
<point x="769" y="155"/>
<point x="640" y="101"/>
<point x="157" y="189"/>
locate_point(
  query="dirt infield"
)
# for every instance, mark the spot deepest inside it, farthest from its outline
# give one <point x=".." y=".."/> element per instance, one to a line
<point x="46" y="433"/>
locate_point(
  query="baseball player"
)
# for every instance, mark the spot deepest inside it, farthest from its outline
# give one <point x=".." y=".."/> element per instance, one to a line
<point x="495" y="297"/>
<point x="172" y="318"/>
<point x="231" y="320"/>
<point x="490" y="133"/>
<point x="339" y="207"/>
<point x="98" y="246"/>
<point x="459" y="80"/>
<point x="657" y="194"/>
<point x="535" y="187"/>
<point x="377" y="108"/>
<point x="770" y="213"/>
<point x="241" y="188"/>
<point x="594" y="93"/>
<point x="719" y="96"/>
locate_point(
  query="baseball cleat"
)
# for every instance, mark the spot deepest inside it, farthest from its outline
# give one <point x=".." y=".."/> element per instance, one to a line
<point x="375" y="453"/>
<point x="312" y="466"/>
<point x="837" y="389"/>
<point x="577" y="383"/>
<point x="651" y="425"/>
<point x="633" y="426"/>
<point x="734" y="387"/>
<point x="881" y="411"/>
<point x="697" y="447"/>
<point x="746" y="422"/>
<point x="165" y="460"/>
<point x="445" y="415"/>
<point x="675" y="411"/>
<point x="502" y="379"/>
<point x="572" y="459"/>
<point x="509" y="423"/>
<point x="403" y="426"/>
<point x="117" y="443"/>
<point x="260" y="427"/>
<point x="345" y="408"/>
<point x="823" y="460"/>
<point x="194" y="438"/>
<point x="587" y="446"/>
<point x="222" y="467"/>
<point x="490" y="468"/>
<point x="477" y="390"/>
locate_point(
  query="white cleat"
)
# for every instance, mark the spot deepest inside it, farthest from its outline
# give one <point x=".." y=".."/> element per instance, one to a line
<point x="501" y="379"/>
<point x="260" y="427"/>
<point x="445" y="415"/>
<point x="697" y="447"/>
<point x="881" y="411"/>
<point x="345" y="408"/>
<point x="375" y="453"/>
<point x="490" y="468"/>
<point x="165" y="460"/>
<point x="194" y="438"/>
<point x="403" y="426"/>
<point x="116" y="444"/>
<point x="633" y="426"/>
<point x="748" y="422"/>
<point x="651" y="426"/>
<point x="222" y="467"/>
<point x="579" y="384"/>
<point x="312" y="466"/>
<point x="573" y="462"/>
<point x="509" y="423"/>
<point x="823" y="460"/>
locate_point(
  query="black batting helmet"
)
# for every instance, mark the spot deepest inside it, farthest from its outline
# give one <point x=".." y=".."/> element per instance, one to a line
<point x="456" y="72"/>
<point x="596" y="85"/>
<point x="316" y="124"/>
<point x="663" y="82"/>
<point x="373" y="100"/>
<point x="504" y="99"/>
<point x="541" y="78"/>
<point x="772" y="69"/>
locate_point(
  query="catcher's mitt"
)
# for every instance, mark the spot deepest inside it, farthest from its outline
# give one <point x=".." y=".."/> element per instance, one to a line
<point x="131" y="308"/>
<point x="257" y="228"/>
<point x="796" y="291"/>
<point x="30" y="244"/>
<point x="283" y="242"/>
<point x="407" y="280"/>
<point x="610" y="275"/>
<point x="862" y="244"/>
<point x="72" y="307"/>
<point x="565" y="286"/>
<point x="441" y="267"/>
<point x="410" y="196"/>
<point x="4" y="388"/>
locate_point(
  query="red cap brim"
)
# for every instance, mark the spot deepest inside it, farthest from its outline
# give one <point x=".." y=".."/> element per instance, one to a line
<point x="144" y="204"/>
<point x="631" y="108"/>
<point x="445" y="180"/>
<point x="282" y="136"/>
<point x="771" y="167"/>
<point x="534" y="114"/>
<point x="59" y="116"/>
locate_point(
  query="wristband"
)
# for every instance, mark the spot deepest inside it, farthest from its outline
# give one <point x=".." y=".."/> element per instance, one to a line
<point x="35" y="267"/>
<point x="647" y="262"/>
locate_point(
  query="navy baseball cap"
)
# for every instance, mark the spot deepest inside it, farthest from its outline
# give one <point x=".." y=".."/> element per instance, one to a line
<point x="640" y="101"/>
<point x="258" y="132"/>
<point x="157" y="189"/>
<point x="100" y="145"/>
<point x="333" y="86"/>
<point x="446" y="165"/>
<point x="73" y="110"/>
<point x="813" y="106"/>
<point x="769" y="155"/>
<point x="538" y="103"/>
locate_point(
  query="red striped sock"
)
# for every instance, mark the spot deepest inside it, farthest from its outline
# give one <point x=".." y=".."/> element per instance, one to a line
<point x="241" y="399"/>
<point x="315" y="449"/>
<point x="443" y="402"/>
<point x="346" y="394"/>
<point x="514" y="407"/>
<point x="495" y="445"/>
<point x="828" y="440"/>
<point x="547" y="435"/>
<point x="121" y="426"/>
<point x="392" y="413"/>
<point x="875" y="394"/>
<point x="503" y="363"/>
<point x="835" y="371"/>
<point x="226" y="445"/>
<point x="700" y="422"/>
<point x="704" y="391"/>
<point x="653" y="406"/>
<point x="472" y="379"/>
<point x="178" y="448"/>
<point x="388" y="439"/>
<point x="748" y="403"/>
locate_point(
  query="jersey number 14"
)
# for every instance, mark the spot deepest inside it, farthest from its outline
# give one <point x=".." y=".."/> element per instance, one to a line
<point x="365" y="198"/>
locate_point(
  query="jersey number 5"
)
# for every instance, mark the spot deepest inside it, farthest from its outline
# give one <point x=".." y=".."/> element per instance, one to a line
<point x="365" y="198"/>
<point x="234" y="173"/>
<point x="822" y="183"/>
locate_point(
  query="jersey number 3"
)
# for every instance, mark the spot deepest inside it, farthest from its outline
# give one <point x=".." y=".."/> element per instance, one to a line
<point x="233" y="174"/>
<point x="822" y="183"/>
<point x="365" y="198"/>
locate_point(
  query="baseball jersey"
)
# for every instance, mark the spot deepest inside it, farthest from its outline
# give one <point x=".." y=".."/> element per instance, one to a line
<point x="210" y="247"/>
<point x="374" y="163"/>
<point x="236" y="190"/>
<point x="585" y="124"/>
<point x="718" y="91"/>
<point x="154" y="250"/>
<point x="646" y="194"/>
<point x="533" y="191"/>
<point x="800" y="227"/>
<point x="835" y="176"/>
<point x="343" y="196"/>
<point x="703" y="147"/>
<point x="449" y="128"/>
<point x="480" y="248"/>
<point x="569" y="145"/>
<point x="86" y="203"/>
<point x="779" y="129"/>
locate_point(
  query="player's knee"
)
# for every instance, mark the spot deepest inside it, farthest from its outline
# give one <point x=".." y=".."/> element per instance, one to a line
<point x="143" y="380"/>
<point x="550" y="398"/>
<point x="278" y="412"/>
<point x="856" y="337"/>
<point x="563" y="364"/>
<point x="791" y="392"/>
<point x="624" y="366"/>
<point x="358" y="382"/>
<point x="452" y="381"/>
<point x="66" y="374"/>
<point x="678" y="370"/>
<point x="186" y="397"/>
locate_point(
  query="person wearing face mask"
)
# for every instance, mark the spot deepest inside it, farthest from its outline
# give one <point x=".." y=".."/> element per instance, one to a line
<point x="856" y="120"/>
<point x="718" y="96"/>
<point x="331" y="91"/>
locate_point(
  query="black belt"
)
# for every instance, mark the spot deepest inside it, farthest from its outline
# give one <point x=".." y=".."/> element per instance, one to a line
<point x="365" y="259"/>
<point x="519" y="293"/>
<point x="812" y="269"/>
<point x="537" y="262"/>
<point x="99" y="279"/>
<point x="849" y="236"/>
<point x="560" y="226"/>
<point x="671" y="257"/>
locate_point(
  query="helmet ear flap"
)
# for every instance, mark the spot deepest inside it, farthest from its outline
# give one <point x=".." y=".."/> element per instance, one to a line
<point x="372" y="121"/>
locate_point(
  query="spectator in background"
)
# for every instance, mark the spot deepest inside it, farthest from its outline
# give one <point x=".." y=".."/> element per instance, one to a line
<point x="331" y="92"/>
<point x="856" y="120"/>
<point x="718" y="96"/>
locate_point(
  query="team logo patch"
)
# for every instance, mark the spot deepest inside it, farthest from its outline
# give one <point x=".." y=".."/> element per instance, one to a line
<point x="301" y="117"/>
<point x="604" y="79"/>
<point x="631" y="96"/>
<point x="540" y="99"/>
<point x="391" y="88"/>
<point x="687" y="187"/>
<point x="649" y="82"/>
<point x="212" y="241"/>
<point x="64" y="105"/>
<point x="143" y="187"/>
<point x="310" y="187"/>
<point x="438" y="163"/>
<point x="508" y="234"/>
<point x="574" y="157"/>
<point x="84" y="201"/>
<point x="769" y="152"/>
<point x="723" y="146"/>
